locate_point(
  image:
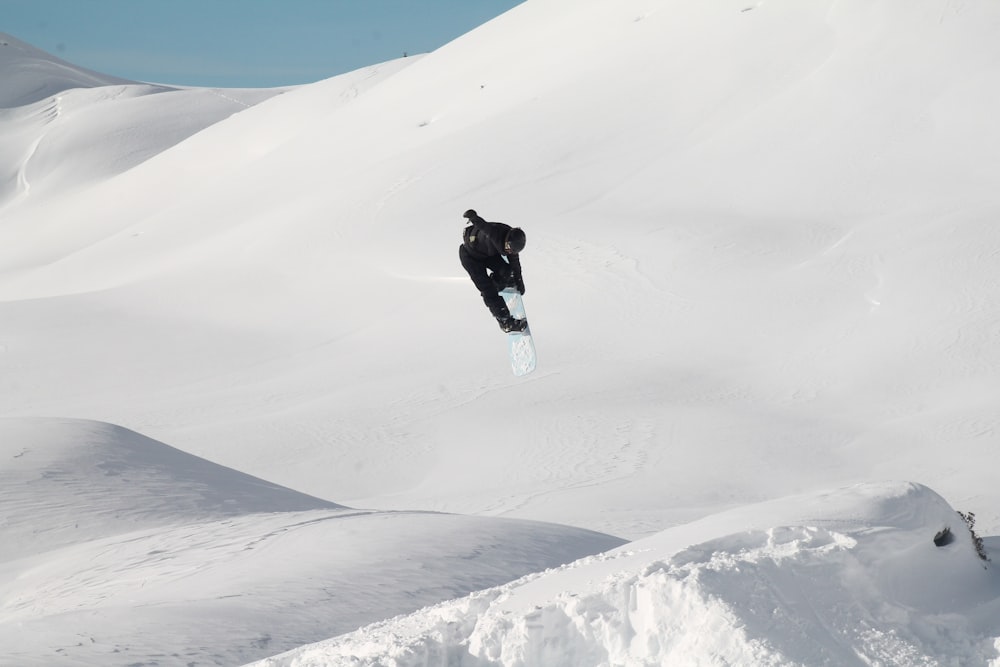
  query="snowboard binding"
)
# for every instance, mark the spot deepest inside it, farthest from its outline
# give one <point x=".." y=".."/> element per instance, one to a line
<point x="512" y="324"/>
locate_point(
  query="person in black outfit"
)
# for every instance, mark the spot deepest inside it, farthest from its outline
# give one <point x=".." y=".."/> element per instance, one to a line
<point x="490" y="254"/>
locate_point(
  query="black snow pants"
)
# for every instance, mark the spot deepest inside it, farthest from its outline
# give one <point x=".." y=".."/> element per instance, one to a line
<point x="478" y="270"/>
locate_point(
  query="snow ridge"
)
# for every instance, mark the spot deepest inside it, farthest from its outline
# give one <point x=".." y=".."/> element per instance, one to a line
<point x="30" y="74"/>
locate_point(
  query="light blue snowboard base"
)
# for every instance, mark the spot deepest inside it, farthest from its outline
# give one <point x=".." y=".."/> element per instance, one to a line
<point x="519" y="343"/>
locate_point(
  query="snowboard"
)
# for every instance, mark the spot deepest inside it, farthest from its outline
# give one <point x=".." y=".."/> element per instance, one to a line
<point x="519" y="343"/>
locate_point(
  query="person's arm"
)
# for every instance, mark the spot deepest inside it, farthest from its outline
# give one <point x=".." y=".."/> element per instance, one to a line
<point x="515" y="265"/>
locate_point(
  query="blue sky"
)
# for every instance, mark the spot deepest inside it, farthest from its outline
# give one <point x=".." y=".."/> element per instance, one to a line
<point x="239" y="43"/>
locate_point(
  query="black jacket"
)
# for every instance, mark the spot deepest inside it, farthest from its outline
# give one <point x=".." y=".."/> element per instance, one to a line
<point x="486" y="239"/>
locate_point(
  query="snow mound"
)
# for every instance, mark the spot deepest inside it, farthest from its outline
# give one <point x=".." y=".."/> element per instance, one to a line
<point x="65" y="481"/>
<point x="852" y="577"/>
<point x="120" y="549"/>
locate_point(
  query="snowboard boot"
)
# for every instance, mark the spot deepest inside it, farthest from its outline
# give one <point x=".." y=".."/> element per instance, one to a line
<point x="503" y="317"/>
<point x="511" y="325"/>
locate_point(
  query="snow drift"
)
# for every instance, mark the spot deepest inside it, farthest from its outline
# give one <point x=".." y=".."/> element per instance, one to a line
<point x="851" y="577"/>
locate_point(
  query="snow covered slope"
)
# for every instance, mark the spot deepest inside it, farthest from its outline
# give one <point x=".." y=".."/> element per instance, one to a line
<point x="30" y="75"/>
<point x="851" y="577"/>
<point x="118" y="549"/>
<point x="114" y="481"/>
<point x="782" y="213"/>
<point x="65" y="127"/>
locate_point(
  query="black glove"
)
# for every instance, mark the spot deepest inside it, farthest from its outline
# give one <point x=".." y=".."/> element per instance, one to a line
<point x="520" y="286"/>
<point x="470" y="214"/>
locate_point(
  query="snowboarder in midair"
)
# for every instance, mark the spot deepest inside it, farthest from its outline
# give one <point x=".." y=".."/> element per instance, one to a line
<point x="490" y="254"/>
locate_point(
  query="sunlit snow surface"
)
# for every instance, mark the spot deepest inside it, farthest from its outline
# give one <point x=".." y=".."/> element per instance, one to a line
<point x="251" y="400"/>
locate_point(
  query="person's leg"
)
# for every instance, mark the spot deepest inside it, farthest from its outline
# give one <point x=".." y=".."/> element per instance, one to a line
<point x="477" y="270"/>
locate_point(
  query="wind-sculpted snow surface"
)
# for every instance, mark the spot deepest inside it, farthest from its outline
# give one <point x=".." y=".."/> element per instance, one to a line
<point x="846" y="578"/>
<point x="118" y="549"/>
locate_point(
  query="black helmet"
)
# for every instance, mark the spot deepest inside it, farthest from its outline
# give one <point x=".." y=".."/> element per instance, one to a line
<point x="514" y="243"/>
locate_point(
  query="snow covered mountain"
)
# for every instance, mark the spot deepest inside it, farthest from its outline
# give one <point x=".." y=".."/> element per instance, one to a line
<point x="760" y="266"/>
<point x="31" y="75"/>
<point x="66" y="127"/>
